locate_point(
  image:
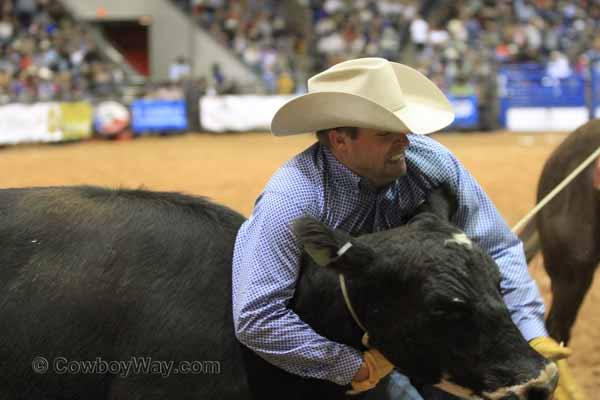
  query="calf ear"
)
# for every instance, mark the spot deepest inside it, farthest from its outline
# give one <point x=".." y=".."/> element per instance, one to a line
<point x="329" y="248"/>
<point x="441" y="201"/>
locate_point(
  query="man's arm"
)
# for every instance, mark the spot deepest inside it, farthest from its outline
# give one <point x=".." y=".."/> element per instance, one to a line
<point x="482" y="222"/>
<point x="266" y="265"/>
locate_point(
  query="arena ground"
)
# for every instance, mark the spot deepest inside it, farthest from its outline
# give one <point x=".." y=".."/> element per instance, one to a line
<point x="233" y="168"/>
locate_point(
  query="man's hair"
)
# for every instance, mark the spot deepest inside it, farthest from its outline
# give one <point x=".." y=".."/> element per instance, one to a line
<point x="323" y="134"/>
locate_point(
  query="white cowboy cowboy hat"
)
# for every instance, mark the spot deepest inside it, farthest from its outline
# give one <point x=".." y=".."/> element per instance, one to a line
<point x="367" y="93"/>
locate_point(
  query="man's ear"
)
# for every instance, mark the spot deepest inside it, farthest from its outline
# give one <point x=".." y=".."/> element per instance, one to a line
<point x="331" y="249"/>
<point x="337" y="139"/>
<point x="441" y="202"/>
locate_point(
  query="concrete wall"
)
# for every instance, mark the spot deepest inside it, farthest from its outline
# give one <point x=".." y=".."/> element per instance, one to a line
<point x="115" y="9"/>
<point x="171" y="34"/>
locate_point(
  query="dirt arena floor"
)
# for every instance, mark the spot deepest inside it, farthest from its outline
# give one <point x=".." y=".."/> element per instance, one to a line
<point x="233" y="168"/>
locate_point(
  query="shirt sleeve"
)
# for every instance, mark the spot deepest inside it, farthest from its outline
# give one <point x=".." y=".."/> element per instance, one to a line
<point x="482" y="222"/>
<point x="266" y="265"/>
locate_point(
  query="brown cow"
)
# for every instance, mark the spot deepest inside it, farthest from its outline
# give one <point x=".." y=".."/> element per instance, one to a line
<point x="567" y="229"/>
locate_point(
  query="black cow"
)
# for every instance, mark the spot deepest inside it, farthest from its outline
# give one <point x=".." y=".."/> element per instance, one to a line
<point x="567" y="229"/>
<point x="103" y="275"/>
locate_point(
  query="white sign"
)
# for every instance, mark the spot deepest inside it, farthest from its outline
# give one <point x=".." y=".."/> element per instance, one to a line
<point x="21" y="123"/>
<point x="563" y="119"/>
<point x="239" y="113"/>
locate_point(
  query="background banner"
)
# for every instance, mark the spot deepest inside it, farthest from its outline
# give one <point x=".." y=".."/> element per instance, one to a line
<point x="239" y="113"/>
<point x="45" y="122"/>
<point x="466" y="112"/>
<point x="531" y="100"/>
<point x="158" y="115"/>
<point x="23" y="123"/>
<point x="75" y="121"/>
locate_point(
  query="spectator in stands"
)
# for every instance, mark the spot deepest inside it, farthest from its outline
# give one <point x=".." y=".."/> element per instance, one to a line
<point x="193" y="90"/>
<point x="461" y="87"/>
<point x="179" y="69"/>
<point x="217" y="78"/>
<point x="46" y="89"/>
<point x="6" y="30"/>
<point x="558" y="66"/>
<point x="285" y="82"/>
<point x="48" y="56"/>
<point x="102" y="79"/>
<point x="25" y="11"/>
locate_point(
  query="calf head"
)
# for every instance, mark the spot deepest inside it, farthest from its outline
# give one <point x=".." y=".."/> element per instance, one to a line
<point x="431" y="302"/>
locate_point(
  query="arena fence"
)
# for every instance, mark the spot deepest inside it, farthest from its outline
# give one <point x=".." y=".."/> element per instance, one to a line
<point x="529" y="100"/>
<point x="594" y="93"/>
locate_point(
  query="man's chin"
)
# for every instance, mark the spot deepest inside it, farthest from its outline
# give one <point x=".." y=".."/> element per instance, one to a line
<point x="397" y="172"/>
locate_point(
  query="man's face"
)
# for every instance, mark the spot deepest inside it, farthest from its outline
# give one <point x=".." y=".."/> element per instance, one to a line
<point x="376" y="155"/>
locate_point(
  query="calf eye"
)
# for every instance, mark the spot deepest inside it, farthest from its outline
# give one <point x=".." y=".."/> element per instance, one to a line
<point x="454" y="308"/>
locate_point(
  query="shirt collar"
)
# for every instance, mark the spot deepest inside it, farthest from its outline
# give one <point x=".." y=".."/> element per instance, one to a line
<point x="341" y="174"/>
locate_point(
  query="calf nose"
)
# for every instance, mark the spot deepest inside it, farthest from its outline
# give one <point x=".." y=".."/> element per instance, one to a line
<point x="539" y="393"/>
<point x="542" y="389"/>
<point x="533" y="393"/>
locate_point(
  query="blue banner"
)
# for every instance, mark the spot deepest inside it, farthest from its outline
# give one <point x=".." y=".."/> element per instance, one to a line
<point x="595" y="88"/>
<point x="466" y="112"/>
<point x="528" y="85"/>
<point x="158" y="115"/>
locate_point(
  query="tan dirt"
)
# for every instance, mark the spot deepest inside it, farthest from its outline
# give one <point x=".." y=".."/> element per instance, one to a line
<point x="233" y="168"/>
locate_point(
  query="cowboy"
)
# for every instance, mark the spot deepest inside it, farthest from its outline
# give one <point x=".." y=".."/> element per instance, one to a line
<point x="370" y="168"/>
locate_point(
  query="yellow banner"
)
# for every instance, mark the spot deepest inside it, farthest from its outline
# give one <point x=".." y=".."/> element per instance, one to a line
<point x="75" y="120"/>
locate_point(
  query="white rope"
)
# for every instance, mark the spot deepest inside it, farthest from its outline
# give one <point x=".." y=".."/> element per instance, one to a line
<point x="555" y="191"/>
<point x="349" y="304"/>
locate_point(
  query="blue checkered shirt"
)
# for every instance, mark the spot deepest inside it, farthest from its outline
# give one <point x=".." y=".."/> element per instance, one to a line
<point x="267" y="256"/>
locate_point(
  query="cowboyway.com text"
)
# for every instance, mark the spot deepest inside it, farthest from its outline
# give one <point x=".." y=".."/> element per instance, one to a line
<point x="124" y="368"/>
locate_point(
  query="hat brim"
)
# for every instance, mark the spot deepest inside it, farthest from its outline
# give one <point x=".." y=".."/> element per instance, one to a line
<point x="426" y="109"/>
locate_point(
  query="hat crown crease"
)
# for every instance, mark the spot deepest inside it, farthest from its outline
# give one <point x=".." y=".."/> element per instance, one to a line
<point x="377" y="83"/>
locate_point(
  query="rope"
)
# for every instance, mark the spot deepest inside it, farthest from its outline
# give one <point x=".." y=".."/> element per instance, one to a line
<point x="349" y="304"/>
<point x="555" y="191"/>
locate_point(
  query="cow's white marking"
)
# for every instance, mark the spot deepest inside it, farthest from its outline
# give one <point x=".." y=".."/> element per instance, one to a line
<point x="460" y="238"/>
<point x="545" y="376"/>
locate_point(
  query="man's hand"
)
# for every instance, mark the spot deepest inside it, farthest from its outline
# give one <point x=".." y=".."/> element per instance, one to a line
<point x="567" y="388"/>
<point x="374" y="368"/>
<point x="549" y="348"/>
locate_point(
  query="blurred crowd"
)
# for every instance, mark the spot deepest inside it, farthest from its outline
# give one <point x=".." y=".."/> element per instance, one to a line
<point x="454" y="42"/>
<point x="363" y="28"/>
<point x="469" y="38"/>
<point x="259" y="33"/>
<point x="45" y="55"/>
<point x="460" y="44"/>
<point x="286" y="42"/>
